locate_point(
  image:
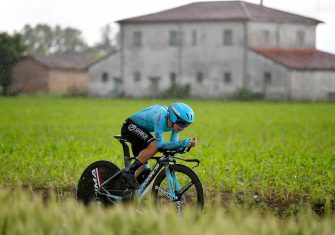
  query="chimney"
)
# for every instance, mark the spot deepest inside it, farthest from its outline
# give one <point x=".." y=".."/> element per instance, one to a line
<point x="261" y="2"/>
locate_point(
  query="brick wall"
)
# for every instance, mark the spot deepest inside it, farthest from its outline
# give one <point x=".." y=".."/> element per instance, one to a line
<point x="28" y="77"/>
<point x="63" y="81"/>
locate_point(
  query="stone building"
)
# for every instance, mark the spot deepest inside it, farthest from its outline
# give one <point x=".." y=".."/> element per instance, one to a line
<point x="55" y="74"/>
<point x="218" y="48"/>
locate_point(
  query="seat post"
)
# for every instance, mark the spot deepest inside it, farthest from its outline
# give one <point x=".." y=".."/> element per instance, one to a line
<point x="126" y="153"/>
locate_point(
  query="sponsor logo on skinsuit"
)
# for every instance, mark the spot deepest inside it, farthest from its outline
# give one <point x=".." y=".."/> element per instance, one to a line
<point x="132" y="127"/>
<point x="137" y="131"/>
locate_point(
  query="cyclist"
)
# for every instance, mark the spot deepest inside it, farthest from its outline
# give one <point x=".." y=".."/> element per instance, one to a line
<point x="158" y="119"/>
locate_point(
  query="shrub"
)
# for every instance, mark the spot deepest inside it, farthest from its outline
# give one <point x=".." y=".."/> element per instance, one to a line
<point x="245" y="94"/>
<point x="177" y="91"/>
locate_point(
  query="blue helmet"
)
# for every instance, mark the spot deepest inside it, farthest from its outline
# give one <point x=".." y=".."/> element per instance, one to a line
<point x="181" y="114"/>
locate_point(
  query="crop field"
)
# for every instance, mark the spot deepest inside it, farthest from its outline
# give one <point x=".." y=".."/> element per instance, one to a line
<point x="24" y="213"/>
<point x="257" y="152"/>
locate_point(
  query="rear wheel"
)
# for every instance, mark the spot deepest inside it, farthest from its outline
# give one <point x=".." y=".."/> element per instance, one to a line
<point x="187" y="181"/>
<point x="93" y="177"/>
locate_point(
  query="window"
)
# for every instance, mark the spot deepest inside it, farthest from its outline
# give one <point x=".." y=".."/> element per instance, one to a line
<point x="137" y="39"/>
<point x="137" y="76"/>
<point x="266" y="37"/>
<point x="173" y="78"/>
<point x="227" y="78"/>
<point x="200" y="77"/>
<point x="154" y="85"/>
<point x="194" y="38"/>
<point x="173" y="38"/>
<point x="331" y="95"/>
<point x="267" y="78"/>
<point x="227" y="37"/>
<point x="117" y="84"/>
<point x="104" y="77"/>
<point x="300" y="37"/>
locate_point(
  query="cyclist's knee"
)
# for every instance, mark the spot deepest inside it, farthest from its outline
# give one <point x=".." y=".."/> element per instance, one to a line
<point x="153" y="147"/>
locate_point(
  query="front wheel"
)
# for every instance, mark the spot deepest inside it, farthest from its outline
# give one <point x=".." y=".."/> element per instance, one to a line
<point x="186" y="184"/>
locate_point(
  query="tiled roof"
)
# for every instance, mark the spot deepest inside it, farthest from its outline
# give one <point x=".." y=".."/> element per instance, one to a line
<point x="222" y="11"/>
<point x="65" y="61"/>
<point x="299" y="59"/>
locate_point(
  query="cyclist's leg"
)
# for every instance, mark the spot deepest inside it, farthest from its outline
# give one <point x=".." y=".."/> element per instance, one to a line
<point x="148" y="152"/>
<point x="142" y="146"/>
<point x="145" y="154"/>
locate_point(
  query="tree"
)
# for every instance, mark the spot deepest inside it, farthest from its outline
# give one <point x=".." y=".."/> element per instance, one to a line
<point x="11" y="48"/>
<point x="45" y="40"/>
<point x="69" y="40"/>
<point x="38" y="39"/>
<point x="108" y="43"/>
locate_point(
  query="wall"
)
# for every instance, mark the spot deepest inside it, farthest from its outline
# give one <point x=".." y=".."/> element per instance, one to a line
<point x="278" y="88"/>
<point x="28" y="77"/>
<point x="313" y="85"/>
<point x="280" y="35"/>
<point x="288" y="83"/>
<point x="157" y="59"/>
<point x="98" y="86"/>
<point x="63" y="81"/>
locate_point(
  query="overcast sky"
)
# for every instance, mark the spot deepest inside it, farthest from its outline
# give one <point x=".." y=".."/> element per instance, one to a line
<point x="90" y="16"/>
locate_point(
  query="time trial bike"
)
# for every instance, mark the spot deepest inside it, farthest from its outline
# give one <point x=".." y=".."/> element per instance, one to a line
<point x="173" y="183"/>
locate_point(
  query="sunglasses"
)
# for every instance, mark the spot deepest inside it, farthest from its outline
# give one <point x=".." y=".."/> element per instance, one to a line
<point x="182" y="123"/>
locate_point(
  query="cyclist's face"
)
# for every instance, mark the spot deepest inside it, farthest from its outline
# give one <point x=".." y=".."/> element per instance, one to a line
<point x="178" y="128"/>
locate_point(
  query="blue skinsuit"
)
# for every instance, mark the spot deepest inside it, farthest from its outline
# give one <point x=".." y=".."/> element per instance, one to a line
<point x="154" y="119"/>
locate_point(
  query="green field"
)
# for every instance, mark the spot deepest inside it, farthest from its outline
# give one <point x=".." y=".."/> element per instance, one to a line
<point x="22" y="213"/>
<point x="267" y="151"/>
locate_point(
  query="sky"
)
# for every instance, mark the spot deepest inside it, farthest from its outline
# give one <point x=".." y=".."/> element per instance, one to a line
<point x="90" y="16"/>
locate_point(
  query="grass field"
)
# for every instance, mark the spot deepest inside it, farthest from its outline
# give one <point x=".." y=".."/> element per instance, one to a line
<point x="24" y="213"/>
<point x="255" y="150"/>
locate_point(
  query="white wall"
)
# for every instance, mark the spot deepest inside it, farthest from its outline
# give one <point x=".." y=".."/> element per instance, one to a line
<point x="312" y="85"/>
<point x="258" y="65"/>
<point x="289" y="83"/>
<point x="280" y="35"/>
<point x="111" y="66"/>
<point x="157" y="58"/>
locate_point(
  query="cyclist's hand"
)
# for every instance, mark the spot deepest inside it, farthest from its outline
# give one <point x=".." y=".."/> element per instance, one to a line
<point x="186" y="143"/>
<point x="193" y="142"/>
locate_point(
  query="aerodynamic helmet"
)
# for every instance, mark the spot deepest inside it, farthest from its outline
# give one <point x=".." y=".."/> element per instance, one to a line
<point x="181" y="114"/>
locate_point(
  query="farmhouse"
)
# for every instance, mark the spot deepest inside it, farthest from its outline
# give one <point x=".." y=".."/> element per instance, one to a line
<point x="218" y="49"/>
<point x="50" y="74"/>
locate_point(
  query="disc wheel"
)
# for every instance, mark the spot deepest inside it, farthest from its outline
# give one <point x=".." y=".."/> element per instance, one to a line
<point x="93" y="177"/>
<point x="193" y="197"/>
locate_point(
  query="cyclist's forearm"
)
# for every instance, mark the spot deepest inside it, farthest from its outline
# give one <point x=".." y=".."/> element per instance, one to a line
<point x="169" y="145"/>
<point x="174" y="136"/>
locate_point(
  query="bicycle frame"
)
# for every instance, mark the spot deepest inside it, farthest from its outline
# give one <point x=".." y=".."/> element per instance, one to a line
<point x="174" y="193"/>
<point x="170" y="176"/>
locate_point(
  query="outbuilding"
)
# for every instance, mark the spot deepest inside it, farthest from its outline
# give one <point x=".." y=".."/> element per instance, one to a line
<point x="57" y="74"/>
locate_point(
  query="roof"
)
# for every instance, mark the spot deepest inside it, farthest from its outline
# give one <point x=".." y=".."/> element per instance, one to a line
<point x="222" y="11"/>
<point x="113" y="53"/>
<point x="64" y="61"/>
<point x="299" y="59"/>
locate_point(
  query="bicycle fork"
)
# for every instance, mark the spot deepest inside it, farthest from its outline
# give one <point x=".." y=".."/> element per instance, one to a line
<point x="174" y="187"/>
